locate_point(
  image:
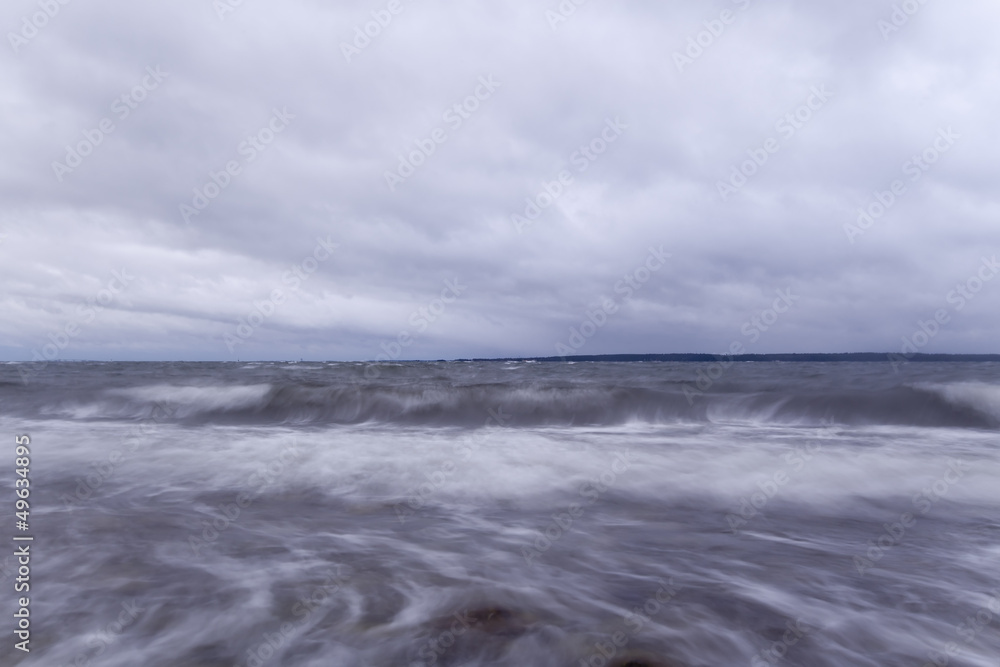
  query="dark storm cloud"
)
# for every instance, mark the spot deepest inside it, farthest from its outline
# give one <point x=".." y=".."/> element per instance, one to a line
<point x="241" y="141"/>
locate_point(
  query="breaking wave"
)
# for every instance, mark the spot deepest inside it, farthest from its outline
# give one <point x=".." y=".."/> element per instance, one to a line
<point x="964" y="404"/>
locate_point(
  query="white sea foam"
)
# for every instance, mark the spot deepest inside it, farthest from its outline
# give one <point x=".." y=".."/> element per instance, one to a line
<point x="979" y="396"/>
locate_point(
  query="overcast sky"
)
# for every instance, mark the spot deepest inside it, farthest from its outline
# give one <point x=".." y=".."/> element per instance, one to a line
<point x="350" y="161"/>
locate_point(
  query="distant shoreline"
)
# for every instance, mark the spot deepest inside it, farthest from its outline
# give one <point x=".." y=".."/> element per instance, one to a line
<point x="806" y="357"/>
<point x="799" y="357"/>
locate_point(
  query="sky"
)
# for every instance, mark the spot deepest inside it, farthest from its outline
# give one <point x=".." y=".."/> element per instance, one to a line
<point x="391" y="179"/>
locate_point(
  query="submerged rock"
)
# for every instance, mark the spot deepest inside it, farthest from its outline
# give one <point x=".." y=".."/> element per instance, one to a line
<point x="496" y="621"/>
<point x="642" y="660"/>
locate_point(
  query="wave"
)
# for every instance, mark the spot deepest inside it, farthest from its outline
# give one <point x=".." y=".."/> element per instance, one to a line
<point x="438" y="403"/>
<point x="977" y="396"/>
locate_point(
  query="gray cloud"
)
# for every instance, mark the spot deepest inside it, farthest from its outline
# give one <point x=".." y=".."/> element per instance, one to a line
<point x="323" y="177"/>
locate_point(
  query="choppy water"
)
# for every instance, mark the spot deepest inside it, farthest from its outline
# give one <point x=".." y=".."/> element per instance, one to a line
<point x="509" y="514"/>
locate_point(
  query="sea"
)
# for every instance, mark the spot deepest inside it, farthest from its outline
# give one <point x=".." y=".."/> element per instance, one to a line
<point x="519" y="513"/>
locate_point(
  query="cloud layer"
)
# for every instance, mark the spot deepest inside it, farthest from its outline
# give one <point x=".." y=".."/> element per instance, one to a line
<point x="494" y="176"/>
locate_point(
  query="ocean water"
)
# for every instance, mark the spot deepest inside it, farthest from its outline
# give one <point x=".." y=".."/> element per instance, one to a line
<point x="507" y="513"/>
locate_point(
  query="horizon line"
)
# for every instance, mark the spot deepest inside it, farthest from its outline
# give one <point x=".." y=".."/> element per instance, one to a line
<point x="683" y="357"/>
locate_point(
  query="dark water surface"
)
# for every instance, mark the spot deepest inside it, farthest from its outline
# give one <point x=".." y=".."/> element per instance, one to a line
<point x="523" y="514"/>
